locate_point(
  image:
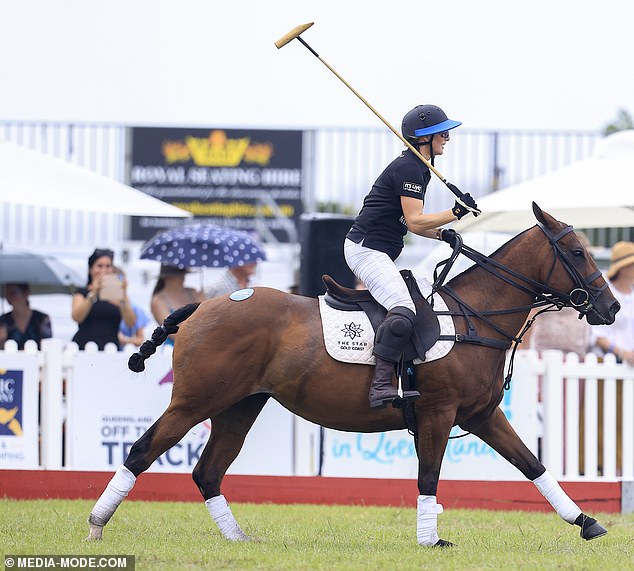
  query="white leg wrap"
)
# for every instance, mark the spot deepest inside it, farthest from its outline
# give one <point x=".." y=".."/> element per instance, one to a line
<point x="115" y="492"/>
<point x="551" y="490"/>
<point x="427" y="520"/>
<point x="227" y="524"/>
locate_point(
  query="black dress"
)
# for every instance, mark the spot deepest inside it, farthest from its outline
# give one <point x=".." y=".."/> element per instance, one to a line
<point x="101" y="324"/>
<point x="38" y="328"/>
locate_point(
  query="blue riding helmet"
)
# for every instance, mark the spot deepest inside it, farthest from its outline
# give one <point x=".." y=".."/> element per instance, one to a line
<point x="426" y="120"/>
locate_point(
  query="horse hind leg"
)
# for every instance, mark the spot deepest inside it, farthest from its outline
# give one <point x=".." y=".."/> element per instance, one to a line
<point x="497" y="432"/>
<point x="172" y="425"/>
<point x="228" y="431"/>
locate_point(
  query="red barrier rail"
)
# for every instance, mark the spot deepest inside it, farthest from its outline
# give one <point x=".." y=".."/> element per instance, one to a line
<point x="470" y="494"/>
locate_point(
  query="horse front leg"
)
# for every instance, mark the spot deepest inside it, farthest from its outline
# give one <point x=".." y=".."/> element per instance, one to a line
<point x="431" y="441"/>
<point x="497" y="432"/>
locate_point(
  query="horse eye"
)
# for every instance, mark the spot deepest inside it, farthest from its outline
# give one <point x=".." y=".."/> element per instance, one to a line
<point x="578" y="253"/>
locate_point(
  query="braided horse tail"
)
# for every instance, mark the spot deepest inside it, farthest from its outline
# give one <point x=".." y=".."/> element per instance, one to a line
<point x="136" y="362"/>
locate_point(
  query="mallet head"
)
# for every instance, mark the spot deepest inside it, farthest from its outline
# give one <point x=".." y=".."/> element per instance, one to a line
<point x="295" y="32"/>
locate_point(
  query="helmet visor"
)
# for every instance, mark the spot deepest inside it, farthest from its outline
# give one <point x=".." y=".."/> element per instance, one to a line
<point x="439" y="128"/>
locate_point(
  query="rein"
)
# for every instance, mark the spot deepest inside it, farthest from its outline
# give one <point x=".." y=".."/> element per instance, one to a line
<point x="545" y="296"/>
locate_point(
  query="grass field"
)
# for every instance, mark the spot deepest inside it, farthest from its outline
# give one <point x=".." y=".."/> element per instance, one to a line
<point x="301" y="537"/>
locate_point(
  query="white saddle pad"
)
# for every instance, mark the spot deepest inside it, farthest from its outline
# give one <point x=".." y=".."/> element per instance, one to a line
<point x="349" y="336"/>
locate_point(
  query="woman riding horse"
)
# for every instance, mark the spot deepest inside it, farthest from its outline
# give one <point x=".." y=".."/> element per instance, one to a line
<point x="233" y="353"/>
<point x="394" y="205"/>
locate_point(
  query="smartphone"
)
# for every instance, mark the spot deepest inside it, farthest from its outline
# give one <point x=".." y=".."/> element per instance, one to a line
<point x="111" y="288"/>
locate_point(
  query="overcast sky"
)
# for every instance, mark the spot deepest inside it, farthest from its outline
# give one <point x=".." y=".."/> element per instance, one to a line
<point x="546" y="64"/>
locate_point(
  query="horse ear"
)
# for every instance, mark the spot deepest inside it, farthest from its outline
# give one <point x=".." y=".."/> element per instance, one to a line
<point x="543" y="217"/>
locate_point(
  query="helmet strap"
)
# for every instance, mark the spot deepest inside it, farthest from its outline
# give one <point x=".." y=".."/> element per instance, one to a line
<point x="431" y="148"/>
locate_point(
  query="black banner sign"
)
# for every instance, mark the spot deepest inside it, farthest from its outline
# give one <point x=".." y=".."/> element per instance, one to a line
<point x="243" y="178"/>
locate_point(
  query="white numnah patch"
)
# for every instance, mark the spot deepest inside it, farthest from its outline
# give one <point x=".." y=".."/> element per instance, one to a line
<point x="349" y="336"/>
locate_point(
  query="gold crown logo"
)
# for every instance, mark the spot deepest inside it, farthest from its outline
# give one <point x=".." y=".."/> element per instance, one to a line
<point x="217" y="150"/>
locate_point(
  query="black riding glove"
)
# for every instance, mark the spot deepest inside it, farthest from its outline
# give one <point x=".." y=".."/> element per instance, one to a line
<point x="464" y="205"/>
<point x="450" y="236"/>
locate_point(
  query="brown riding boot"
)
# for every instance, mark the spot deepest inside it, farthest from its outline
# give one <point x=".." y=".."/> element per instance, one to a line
<point x="391" y="337"/>
<point x="382" y="389"/>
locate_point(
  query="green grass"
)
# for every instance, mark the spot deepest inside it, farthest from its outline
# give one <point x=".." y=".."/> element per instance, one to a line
<point x="302" y="537"/>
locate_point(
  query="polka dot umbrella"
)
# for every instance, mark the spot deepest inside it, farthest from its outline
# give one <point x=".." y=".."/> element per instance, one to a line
<point x="203" y="245"/>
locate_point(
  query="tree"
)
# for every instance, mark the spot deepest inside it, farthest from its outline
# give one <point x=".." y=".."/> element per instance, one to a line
<point x="623" y="122"/>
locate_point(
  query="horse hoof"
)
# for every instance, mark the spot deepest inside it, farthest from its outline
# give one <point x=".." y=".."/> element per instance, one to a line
<point x="590" y="527"/>
<point x="95" y="532"/>
<point x="238" y="536"/>
<point x="443" y="543"/>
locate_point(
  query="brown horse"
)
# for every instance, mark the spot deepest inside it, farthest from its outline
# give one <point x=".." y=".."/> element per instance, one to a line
<point x="231" y="357"/>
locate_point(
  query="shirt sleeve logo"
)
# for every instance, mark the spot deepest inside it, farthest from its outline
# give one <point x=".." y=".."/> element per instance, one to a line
<point x="412" y="187"/>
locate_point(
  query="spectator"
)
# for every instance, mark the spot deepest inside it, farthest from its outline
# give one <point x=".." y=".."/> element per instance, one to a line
<point x="170" y="293"/>
<point x="99" y="307"/>
<point x="561" y="330"/>
<point x="232" y="279"/>
<point x="618" y="338"/>
<point x="134" y="334"/>
<point x="23" y="323"/>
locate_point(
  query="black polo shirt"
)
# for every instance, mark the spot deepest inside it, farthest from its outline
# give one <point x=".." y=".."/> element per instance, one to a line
<point x="381" y="223"/>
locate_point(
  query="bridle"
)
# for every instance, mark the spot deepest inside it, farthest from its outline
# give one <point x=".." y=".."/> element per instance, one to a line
<point x="581" y="297"/>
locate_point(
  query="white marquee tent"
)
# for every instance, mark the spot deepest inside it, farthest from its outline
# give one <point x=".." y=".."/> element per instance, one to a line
<point x="32" y="178"/>
<point x="597" y="192"/>
<point x="48" y="203"/>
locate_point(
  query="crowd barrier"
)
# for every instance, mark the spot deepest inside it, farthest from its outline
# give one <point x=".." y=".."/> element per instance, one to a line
<point x="61" y="408"/>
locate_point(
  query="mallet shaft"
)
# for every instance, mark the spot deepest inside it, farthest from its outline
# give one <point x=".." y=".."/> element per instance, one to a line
<point x="295" y="33"/>
<point x="371" y="108"/>
<point x="387" y="124"/>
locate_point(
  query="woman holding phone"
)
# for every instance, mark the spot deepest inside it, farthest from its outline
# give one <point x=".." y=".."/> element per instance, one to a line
<point x="170" y="293"/>
<point x="99" y="307"/>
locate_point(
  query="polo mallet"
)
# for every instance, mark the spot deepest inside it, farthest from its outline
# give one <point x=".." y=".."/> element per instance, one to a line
<point x="295" y="33"/>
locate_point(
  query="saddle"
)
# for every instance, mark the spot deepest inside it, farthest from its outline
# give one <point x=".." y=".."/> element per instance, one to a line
<point x="426" y="327"/>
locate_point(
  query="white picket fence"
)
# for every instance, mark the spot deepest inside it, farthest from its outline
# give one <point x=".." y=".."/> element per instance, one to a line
<point x="596" y="395"/>
<point x="571" y="393"/>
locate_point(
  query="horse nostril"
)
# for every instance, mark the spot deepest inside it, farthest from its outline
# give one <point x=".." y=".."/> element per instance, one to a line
<point x="615" y="308"/>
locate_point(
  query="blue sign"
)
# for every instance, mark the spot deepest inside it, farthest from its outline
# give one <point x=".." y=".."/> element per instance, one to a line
<point x="11" y="389"/>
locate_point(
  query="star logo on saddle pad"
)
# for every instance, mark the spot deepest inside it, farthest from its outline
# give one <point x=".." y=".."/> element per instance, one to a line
<point x="352" y="330"/>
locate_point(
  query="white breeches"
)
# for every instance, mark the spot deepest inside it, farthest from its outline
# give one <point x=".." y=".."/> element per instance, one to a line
<point x="379" y="274"/>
